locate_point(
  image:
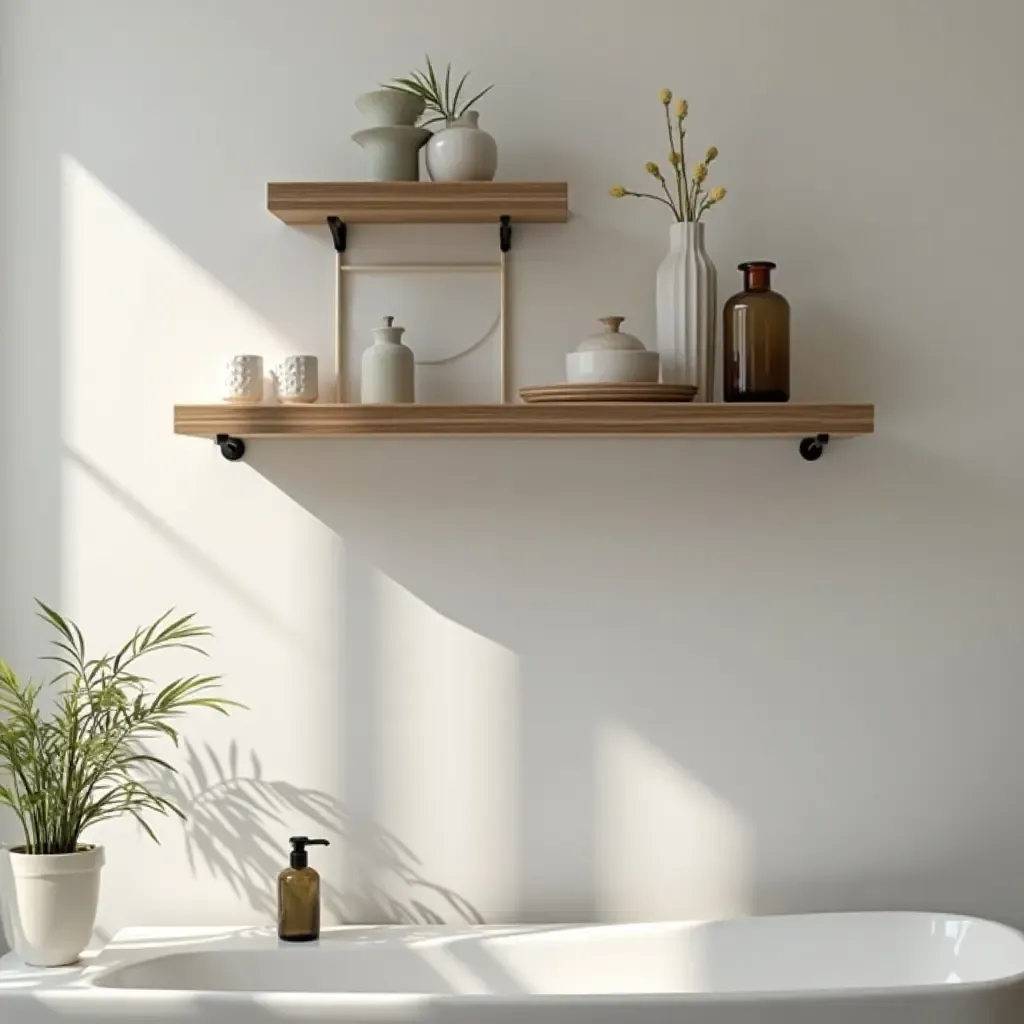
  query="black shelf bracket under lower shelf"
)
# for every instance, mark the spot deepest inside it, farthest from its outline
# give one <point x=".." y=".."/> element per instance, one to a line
<point x="812" y="448"/>
<point x="232" y="448"/>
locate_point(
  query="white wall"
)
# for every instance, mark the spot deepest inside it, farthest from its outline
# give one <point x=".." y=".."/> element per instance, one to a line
<point x="548" y="679"/>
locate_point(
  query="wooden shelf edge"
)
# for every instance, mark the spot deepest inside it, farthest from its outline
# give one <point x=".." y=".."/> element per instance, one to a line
<point x="419" y="202"/>
<point x="569" y="420"/>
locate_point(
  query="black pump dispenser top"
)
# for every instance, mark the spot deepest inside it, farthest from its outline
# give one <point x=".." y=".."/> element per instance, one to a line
<point x="299" y="857"/>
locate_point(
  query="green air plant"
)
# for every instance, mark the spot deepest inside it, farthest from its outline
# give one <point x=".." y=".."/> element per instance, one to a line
<point x="440" y="99"/>
<point x="78" y="763"/>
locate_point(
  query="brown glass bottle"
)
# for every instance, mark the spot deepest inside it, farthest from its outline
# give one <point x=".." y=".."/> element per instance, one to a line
<point x="298" y="895"/>
<point x="755" y="326"/>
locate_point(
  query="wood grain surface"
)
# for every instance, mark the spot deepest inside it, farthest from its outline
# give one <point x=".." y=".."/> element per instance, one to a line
<point x="419" y="202"/>
<point x="547" y="420"/>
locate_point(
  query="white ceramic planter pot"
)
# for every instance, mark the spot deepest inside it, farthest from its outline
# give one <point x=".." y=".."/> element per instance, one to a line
<point x="462" y="152"/>
<point x="50" y="904"/>
<point x="686" y="303"/>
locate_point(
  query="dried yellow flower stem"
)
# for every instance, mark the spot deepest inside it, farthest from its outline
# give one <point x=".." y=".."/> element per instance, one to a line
<point x="690" y="200"/>
<point x="648" y="195"/>
<point x="676" y="164"/>
<point x="684" y="186"/>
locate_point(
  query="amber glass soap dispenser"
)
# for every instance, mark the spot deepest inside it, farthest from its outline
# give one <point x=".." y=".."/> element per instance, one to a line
<point x="755" y="340"/>
<point x="298" y="895"/>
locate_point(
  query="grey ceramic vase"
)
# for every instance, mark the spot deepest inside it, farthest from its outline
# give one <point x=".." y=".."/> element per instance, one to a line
<point x="389" y="107"/>
<point x="393" y="151"/>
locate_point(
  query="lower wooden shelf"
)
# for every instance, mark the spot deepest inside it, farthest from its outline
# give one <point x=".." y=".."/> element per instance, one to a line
<point x="569" y="420"/>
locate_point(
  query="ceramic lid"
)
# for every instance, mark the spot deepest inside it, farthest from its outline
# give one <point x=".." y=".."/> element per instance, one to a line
<point x="611" y="338"/>
<point x="388" y="332"/>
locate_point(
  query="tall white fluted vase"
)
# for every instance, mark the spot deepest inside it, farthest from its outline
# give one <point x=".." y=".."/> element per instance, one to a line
<point x="687" y="300"/>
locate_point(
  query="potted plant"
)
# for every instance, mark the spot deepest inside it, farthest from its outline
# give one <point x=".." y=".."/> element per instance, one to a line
<point x="686" y="285"/>
<point x="462" y="150"/>
<point x="70" y="754"/>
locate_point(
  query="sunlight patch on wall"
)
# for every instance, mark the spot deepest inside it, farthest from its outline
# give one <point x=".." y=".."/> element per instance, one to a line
<point x="142" y="321"/>
<point x="667" y="847"/>
<point x="150" y="520"/>
<point x="144" y="326"/>
<point x="446" y="755"/>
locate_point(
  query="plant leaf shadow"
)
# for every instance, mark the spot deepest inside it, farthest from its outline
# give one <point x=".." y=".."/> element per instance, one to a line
<point x="236" y="818"/>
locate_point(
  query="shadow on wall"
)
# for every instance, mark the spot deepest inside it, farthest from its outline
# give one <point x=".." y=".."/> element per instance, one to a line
<point x="775" y="739"/>
<point x="236" y="819"/>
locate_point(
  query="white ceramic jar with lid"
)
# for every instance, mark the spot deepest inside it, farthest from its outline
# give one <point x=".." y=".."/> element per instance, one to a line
<point x="389" y="371"/>
<point x="612" y="356"/>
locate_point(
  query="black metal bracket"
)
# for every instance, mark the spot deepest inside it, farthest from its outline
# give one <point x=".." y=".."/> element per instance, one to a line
<point x="232" y="448"/>
<point x="812" y="448"/>
<point x="505" y="233"/>
<point x="339" y="232"/>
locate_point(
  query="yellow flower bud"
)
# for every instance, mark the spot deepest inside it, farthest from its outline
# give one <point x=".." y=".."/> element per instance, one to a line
<point x="700" y="173"/>
<point x="711" y="154"/>
<point x="717" y="194"/>
<point x="665" y="96"/>
<point x="652" y="169"/>
<point x="682" y="108"/>
<point x="674" y="158"/>
<point x="617" y="191"/>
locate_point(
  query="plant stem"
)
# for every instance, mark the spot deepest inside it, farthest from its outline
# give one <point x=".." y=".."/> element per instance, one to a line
<point x="682" y="168"/>
<point x="671" y="201"/>
<point x="657" y="199"/>
<point x="676" y="166"/>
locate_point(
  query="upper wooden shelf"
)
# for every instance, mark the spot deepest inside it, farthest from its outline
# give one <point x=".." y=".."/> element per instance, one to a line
<point x="419" y="202"/>
<point x="580" y="419"/>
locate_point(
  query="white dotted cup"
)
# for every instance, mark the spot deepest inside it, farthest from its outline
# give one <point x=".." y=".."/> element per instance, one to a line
<point x="243" y="380"/>
<point x="297" y="379"/>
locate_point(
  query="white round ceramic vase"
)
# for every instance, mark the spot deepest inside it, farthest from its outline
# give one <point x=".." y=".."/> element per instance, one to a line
<point x="49" y="903"/>
<point x="462" y="152"/>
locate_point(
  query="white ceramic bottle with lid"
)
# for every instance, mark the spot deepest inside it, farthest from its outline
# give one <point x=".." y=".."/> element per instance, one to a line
<point x="389" y="371"/>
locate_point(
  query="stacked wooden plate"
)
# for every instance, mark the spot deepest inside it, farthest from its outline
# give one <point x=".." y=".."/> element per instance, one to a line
<point x="609" y="393"/>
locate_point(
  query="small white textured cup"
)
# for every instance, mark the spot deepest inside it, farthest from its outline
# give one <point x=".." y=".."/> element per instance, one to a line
<point x="243" y="380"/>
<point x="297" y="379"/>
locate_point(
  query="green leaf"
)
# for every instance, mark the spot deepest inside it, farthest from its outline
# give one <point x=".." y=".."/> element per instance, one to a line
<point x="78" y="759"/>
<point x="458" y="91"/>
<point x="469" y="103"/>
<point x="432" y="78"/>
<point x="145" y="824"/>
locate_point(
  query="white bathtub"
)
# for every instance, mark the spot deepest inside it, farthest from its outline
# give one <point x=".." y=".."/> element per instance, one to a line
<point x="886" y="968"/>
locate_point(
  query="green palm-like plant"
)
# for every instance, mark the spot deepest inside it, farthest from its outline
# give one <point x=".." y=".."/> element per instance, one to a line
<point x="440" y="100"/>
<point x="78" y="764"/>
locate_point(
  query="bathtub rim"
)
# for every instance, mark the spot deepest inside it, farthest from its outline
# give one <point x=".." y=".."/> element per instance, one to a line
<point x="83" y="982"/>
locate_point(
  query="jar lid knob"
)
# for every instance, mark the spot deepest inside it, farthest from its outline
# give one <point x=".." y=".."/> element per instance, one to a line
<point x="388" y="321"/>
<point x="612" y="323"/>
